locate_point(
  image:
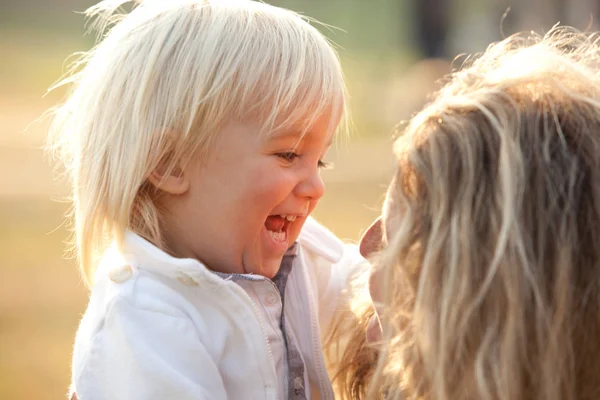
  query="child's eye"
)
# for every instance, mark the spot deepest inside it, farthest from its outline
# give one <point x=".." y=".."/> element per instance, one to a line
<point x="288" y="156"/>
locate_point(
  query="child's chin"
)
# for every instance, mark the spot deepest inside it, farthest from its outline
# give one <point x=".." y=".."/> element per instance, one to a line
<point x="268" y="268"/>
<point x="271" y="267"/>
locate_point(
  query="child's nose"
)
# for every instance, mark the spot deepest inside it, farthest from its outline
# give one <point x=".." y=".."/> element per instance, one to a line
<point x="312" y="187"/>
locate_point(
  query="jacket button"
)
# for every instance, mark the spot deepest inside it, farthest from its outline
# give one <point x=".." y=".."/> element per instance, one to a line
<point x="271" y="298"/>
<point x="187" y="280"/>
<point x="120" y="274"/>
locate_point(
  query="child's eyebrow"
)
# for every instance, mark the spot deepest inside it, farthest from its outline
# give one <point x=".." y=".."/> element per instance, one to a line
<point x="295" y="135"/>
<point x="286" y="135"/>
<point x="297" y="138"/>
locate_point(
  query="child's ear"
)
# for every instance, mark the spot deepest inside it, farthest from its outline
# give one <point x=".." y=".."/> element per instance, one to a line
<point x="171" y="180"/>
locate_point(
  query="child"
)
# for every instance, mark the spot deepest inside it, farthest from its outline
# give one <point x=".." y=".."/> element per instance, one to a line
<point x="194" y="134"/>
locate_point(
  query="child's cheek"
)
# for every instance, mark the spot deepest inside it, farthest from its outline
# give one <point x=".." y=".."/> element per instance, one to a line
<point x="282" y="185"/>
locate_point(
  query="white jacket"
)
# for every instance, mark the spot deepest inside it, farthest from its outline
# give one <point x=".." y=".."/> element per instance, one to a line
<point x="159" y="327"/>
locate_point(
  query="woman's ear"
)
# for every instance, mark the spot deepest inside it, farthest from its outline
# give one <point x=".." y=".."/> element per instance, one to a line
<point x="170" y="179"/>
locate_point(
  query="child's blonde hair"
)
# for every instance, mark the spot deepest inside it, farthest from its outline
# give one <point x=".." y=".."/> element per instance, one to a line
<point x="158" y="88"/>
<point x="492" y="279"/>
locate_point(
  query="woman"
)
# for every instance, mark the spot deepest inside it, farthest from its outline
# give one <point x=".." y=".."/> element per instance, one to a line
<point x="486" y="282"/>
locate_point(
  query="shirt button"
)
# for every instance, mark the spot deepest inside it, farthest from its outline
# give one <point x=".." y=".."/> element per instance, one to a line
<point x="187" y="280"/>
<point x="120" y="274"/>
<point x="271" y="298"/>
<point x="298" y="383"/>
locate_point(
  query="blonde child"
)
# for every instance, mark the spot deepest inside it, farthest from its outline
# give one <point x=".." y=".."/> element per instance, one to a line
<point x="194" y="134"/>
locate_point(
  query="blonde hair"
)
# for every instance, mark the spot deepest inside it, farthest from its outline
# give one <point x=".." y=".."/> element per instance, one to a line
<point x="492" y="279"/>
<point x="160" y="85"/>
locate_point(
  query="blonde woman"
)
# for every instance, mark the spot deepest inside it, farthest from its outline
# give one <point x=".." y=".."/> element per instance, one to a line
<point x="194" y="134"/>
<point x="486" y="279"/>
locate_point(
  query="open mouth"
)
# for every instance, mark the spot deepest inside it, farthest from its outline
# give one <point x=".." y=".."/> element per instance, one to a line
<point x="278" y="226"/>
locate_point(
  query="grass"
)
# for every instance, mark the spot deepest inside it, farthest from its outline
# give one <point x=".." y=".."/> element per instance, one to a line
<point x="41" y="299"/>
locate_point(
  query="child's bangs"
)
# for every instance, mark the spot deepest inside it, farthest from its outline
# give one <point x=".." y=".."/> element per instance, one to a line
<point x="298" y="105"/>
<point x="289" y="81"/>
<point x="301" y="105"/>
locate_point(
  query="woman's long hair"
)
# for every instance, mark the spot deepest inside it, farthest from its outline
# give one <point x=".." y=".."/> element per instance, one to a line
<point x="492" y="277"/>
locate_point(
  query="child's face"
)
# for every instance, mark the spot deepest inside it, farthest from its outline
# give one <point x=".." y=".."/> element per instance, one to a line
<point x="247" y="203"/>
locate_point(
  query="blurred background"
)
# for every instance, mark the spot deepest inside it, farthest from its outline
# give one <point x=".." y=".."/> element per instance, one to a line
<point x="393" y="52"/>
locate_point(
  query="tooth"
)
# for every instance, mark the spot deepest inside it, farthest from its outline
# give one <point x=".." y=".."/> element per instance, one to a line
<point x="278" y="236"/>
<point x="291" y="218"/>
